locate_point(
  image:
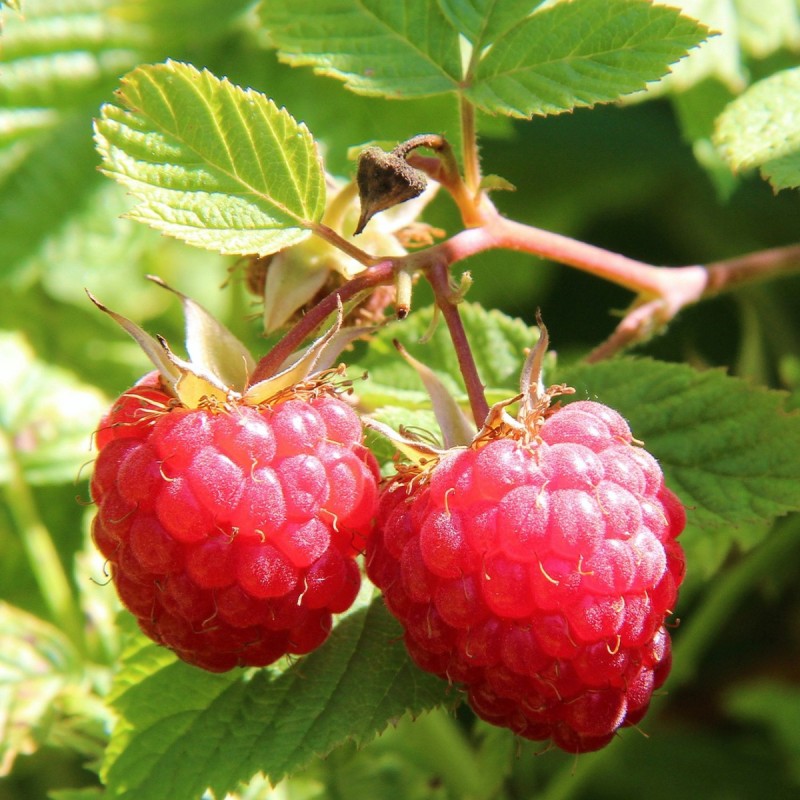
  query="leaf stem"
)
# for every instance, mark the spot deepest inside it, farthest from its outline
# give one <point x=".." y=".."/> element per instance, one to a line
<point x="338" y="241"/>
<point x="41" y="552"/>
<point x="469" y="145"/>
<point x="439" y="277"/>
<point x="373" y="276"/>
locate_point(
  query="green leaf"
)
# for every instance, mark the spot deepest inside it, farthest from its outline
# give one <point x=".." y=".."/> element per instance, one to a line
<point x="760" y="129"/>
<point x="399" y="49"/>
<point x="483" y="21"/>
<point x="719" y="58"/>
<point x="47" y="417"/>
<point x="210" y="163"/>
<point x="579" y="54"/>
<point x="266" y="721"/>
<point x="730" y="451"/>
<point x="36" y="662"/>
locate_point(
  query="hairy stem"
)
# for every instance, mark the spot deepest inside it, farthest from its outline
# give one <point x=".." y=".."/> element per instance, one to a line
<point x="347" y="247"/>
<point x="370" y="278"/>
<point x="469" y="146"/>
<point x="438" y="275"/>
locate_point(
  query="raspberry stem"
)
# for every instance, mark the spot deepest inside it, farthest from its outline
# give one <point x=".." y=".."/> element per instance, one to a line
<point x="372" y="277"/>
<point x="439" y="277"/>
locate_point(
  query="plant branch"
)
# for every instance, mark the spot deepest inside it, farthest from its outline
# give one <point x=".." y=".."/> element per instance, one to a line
<point x="469" y="146"/>
<point x="439" y="277"/>
<point x="661" y="292"/>
<point x="372" y="277"/>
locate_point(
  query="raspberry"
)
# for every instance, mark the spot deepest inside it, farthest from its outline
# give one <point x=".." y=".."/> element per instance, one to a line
<point x="536" y="568"/>
<point x="231" y="530"/>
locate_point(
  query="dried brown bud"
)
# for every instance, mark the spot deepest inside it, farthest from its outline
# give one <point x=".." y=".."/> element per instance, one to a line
<point x="384" y="180"/>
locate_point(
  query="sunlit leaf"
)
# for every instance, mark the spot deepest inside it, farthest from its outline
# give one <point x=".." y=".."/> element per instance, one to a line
<point x="761" y="129"/>
<point x="579" y="54"/>
<point x="483" y="21"/>
<point x="398" y="49"/>
<point x="210" y="163"/>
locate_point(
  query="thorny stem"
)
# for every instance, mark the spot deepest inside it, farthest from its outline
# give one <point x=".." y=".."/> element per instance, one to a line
<point x="661" y="292"/>
<point x="439" y="277"/>
<point x="372" y="277"/>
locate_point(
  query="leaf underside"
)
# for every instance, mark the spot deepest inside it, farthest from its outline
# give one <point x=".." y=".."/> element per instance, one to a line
<point x="760" y="130"/>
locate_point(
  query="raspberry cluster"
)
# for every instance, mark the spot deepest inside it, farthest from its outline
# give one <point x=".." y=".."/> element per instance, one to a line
<point x="231" y="533"/>
<point x="537" y="574"/>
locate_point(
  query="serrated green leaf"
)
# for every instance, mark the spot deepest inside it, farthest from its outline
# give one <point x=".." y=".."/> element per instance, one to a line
<point x="718" y="58"/>
<point x="483" y="21"/>
<point x="47" y="417"/>
<point x="730" y="451"/>
<point x="36" y="662"/>
<point x="577" y="54"/>
<point x="210" y="163"/>
<point x="266" y="721"/>
<point x="761" y="129"/>
<point x="399" y="50"/>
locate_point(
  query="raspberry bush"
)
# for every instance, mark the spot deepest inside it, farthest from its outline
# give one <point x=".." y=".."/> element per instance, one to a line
<point x="375" y="530"/>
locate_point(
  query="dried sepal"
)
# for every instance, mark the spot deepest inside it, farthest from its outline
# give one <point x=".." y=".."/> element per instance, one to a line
<point x="457" y="429"/>
<point x="211" y="347"/>
<point x="299" y="367"/>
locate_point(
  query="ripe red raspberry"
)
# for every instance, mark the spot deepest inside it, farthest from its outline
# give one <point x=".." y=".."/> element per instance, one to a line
<point x="536" y="568"/>
<point x="231" y="530"/>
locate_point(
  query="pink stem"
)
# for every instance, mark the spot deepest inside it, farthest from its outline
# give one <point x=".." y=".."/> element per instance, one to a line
<point x="381" y="273"/>
<point x="438" y="275"/>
